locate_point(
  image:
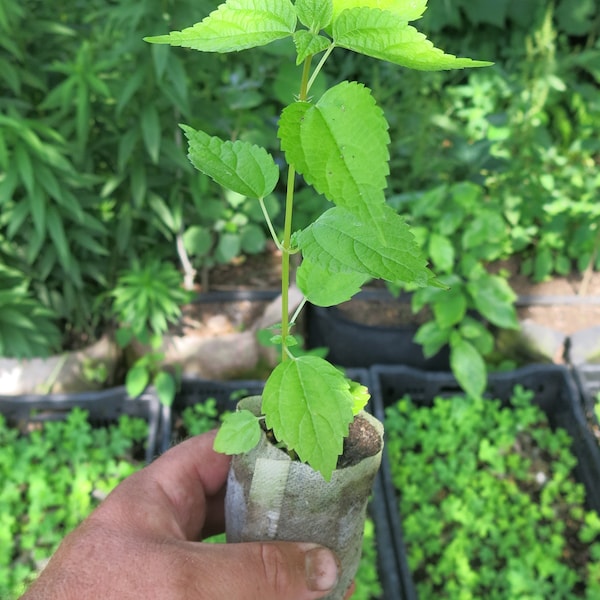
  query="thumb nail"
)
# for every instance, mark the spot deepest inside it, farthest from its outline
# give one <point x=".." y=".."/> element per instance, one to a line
<point x="322" y="569"/>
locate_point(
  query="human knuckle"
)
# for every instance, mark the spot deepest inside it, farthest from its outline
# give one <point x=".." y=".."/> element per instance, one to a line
<point x="275" y="568"/>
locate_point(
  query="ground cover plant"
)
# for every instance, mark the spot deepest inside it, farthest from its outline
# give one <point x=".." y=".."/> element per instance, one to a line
<point x="204" y="416"/>
<point x="51" y="477"/>
<point x="489" y="505"/>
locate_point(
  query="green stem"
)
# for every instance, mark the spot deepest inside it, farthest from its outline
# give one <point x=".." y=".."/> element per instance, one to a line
<point x="320" y="66"/>
<point x="261" y="201"/>
<point x="287" y="230"/>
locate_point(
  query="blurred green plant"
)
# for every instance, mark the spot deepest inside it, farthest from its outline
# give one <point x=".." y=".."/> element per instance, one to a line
<point x="50" y="480"/>
<point x="146" y="299"/>
<point x="462" y="231"/>
<point x="27" y="328"/>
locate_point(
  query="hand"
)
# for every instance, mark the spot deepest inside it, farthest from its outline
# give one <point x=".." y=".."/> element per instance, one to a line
<point x="140" y="543"/>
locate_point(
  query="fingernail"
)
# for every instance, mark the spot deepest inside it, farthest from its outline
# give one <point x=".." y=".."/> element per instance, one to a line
<point x="322" y="569"/>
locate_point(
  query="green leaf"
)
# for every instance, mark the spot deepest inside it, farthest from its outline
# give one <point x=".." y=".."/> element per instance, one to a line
<point x="25" y="167"/>
<point x="308" y="404"/>
<point x="494" y="299"/>
<point x="136" y="380"/>
<point x="165" y="387"/>
<point x="441" y="251"/>
<point x="405" y="10"/>
<point x="314" y="14"/>
<point x="228" y="247"/>
<point x="339" y="242"/>
<point x="450" y="307"/>
<point x="58" y="235"/>
<point x="239" y="166"/>
<point x="150" y="123"/>
<point x="239" y="432"/>
<point x="386" y="36"/>
<point x="360" y="396"/>
<point x="324" y="288"/>
<point x="339" y="145"/>
<point x="308" y="43"/>
<point x="236" y="25"/>
<point x="197" y="240"/>
<point x="432" y="338"/>
<point x="467" y="366"/>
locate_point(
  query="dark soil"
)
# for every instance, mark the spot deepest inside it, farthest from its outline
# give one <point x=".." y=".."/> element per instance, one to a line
<point x="362" y="441"/>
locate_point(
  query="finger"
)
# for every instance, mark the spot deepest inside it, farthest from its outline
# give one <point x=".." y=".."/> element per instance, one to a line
<point x="173" y="495"/>
<point x="264" y="571"/>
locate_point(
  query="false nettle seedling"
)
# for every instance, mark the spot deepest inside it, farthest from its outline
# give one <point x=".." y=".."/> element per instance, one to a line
<point x="339" y="144"/>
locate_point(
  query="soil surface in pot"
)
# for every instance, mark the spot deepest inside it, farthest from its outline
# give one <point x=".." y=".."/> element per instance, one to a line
<point x="362" y="441"/>
<point x="566" y="317"/>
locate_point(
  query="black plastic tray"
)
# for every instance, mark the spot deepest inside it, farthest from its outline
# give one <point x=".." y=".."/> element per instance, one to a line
<point x="103" y="407"/>
<point x="555" y="392"/>
<point x="587" y="377"/>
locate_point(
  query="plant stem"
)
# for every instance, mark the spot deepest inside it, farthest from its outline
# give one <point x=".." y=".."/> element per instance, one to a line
<point x="287" y="229"/>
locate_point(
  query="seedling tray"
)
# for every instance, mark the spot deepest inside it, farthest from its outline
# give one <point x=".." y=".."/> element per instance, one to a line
<point x="103" y="407"/>
<point x="555" y="392"/>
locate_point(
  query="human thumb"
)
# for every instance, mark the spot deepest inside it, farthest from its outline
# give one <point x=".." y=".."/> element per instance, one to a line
<point x="276" y="571"/>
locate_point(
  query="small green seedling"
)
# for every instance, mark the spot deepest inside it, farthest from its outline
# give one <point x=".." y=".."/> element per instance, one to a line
<point x="338" y="142"/>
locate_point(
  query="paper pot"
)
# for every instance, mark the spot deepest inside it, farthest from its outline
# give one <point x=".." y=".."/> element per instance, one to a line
<point x="271" y="497"/>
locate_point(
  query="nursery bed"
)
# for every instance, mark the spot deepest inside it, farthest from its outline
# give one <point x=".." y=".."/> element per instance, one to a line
<point x="553" y="391"/>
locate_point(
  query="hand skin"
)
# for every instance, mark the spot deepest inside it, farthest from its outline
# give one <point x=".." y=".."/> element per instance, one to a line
<point x="140" y="543"/>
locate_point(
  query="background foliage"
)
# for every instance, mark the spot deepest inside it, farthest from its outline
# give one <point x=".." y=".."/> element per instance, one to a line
<point x="94" y="181"/>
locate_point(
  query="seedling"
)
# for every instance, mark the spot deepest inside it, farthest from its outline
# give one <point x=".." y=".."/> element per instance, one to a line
<point x="338" y="143"/>
<point x="489" y="504"/>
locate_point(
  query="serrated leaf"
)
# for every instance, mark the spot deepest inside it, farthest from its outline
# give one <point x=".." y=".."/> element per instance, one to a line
<point x="239" y="166"/>
<point x="239" y="432"/>
<point x="308" y="43"/>
<point x="314" y="14"/>
<point x="405" y="10"/>
<point x="324" y="288"/>
<point x="360" y="396"/>
<point x="339" y="145"/>
<point x="339" y="242"/>
<point x="384" y="35"/>
<point x="308" y="405"/>
<point x="236" y="25"/>
<point x="494" y="299"/>
<point x="467" y="366"/>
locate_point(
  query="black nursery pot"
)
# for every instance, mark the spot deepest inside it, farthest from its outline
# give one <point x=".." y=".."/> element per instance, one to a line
<point x="226" y="394"/>
<point x="353" y="344"/>
<point x="555" y="392"/>
<point x="104" y="407"/>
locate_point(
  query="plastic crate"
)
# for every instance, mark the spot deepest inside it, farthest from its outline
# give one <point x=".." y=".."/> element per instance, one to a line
<point x="555" y="392"/>
<point x="104" y="407"/>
